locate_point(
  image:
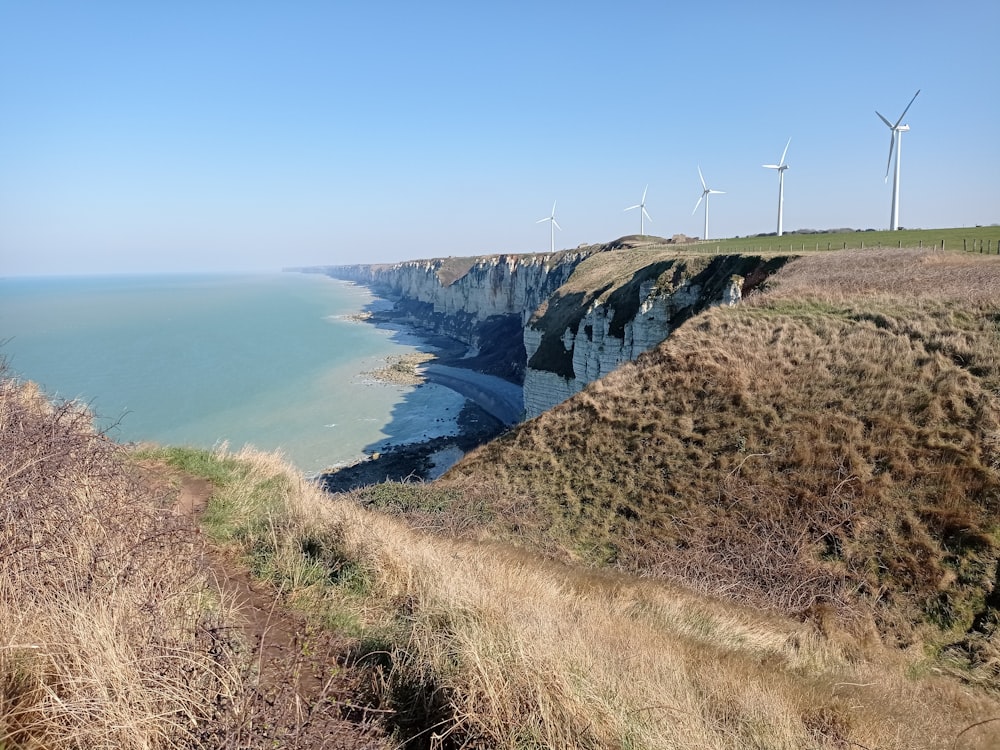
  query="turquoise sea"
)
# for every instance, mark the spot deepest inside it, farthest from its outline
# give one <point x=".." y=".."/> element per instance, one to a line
<point x="269" y="360"/>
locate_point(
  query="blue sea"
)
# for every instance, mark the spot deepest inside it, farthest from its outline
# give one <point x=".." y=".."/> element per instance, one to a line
<point x="274" y="361"/>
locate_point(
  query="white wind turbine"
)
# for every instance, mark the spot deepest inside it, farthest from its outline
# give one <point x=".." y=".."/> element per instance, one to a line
<point x="641" y="205"/>
<point x="781" y="167"/>
<point x="554" y="225"/>
<point x="895" y="140"/>
<point x="705" y="192"/>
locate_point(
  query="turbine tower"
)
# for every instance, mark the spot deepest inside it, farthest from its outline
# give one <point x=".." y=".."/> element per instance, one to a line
<point x="705" y="192"/>
<point x="554" y="225"/>
<point x="641" y="205"/>
<point x="781" y="167"/>
<point x="895" y="140"/>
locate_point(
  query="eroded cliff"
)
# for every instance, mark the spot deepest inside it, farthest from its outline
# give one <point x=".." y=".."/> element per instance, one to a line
<point x="483" y="302"/>
<point x="613" y="312"/>
<point x="556" y="322"/>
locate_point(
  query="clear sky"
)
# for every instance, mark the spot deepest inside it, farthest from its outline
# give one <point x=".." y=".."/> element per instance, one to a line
<point x="196" y="135"/>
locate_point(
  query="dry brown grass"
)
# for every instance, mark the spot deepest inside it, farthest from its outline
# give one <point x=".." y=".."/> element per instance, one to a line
<point x="902" y="276"/>
<point x="108" y="637"/>
<point x="833" y="444"/>
<point x="481" y="645"/>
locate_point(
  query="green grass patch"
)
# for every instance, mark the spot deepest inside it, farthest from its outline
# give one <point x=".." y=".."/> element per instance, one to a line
<point x="970" y="239"/>
<point x="197" y="462"/>
<point x="403" y="497"/>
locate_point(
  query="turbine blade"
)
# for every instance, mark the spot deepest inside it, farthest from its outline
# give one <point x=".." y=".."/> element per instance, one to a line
<point x="782" y="160"/>
<point x="906" y="110"/>
<point x="697" y="204"/>
<point x="702" y="178"/>
<point x="556" y="223"/>
<point x="892" y="142"/>
<point x="643" y="201"/>
<point x="717" y="192"/>
<point x="646" y="213"/>
<point x="631" y="207"/>
<point x="547" y="218"/>
<point x="887" y="123"/>
<point x="770" y="166"/>
<point x="553" y="208"/>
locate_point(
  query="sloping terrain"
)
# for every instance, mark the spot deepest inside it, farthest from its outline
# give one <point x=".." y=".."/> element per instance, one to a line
<point x="831" y="445"/>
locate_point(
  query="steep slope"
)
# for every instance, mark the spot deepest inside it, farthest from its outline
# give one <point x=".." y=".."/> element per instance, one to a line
<point x="830" y="445"/>
<point x="617" y="305"/>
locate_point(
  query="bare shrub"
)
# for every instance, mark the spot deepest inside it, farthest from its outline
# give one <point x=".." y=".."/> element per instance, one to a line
<point x="108" y="635"/>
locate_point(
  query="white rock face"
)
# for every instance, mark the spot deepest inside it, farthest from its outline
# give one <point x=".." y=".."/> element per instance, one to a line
<point x="495" y="285"/>
<point x="543" y="390"/>
<point x="517" y="285"/>
<point x="596" y="351"/>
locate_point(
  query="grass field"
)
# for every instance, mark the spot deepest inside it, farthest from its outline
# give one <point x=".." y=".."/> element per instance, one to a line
<point x="970" y="239"/>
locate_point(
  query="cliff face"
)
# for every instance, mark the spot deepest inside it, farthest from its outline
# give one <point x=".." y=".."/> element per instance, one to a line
<point x="557" y="322"/>
<point x="585" y="331"/>
<point x="491" y="286"/>
<point x="482" y="302"/>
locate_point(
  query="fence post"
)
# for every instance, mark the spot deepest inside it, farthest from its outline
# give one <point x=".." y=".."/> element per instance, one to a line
<point x="942" y="244"/>
<point x="965" y="245"/>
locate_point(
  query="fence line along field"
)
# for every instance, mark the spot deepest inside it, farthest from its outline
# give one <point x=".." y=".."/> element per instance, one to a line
<point x="985" y="239"/>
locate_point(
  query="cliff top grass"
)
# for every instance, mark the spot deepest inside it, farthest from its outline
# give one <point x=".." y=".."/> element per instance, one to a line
<point x="803" y="241"/>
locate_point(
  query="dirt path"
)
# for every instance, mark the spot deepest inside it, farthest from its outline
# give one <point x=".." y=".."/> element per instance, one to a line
<point x="304" y="696"/>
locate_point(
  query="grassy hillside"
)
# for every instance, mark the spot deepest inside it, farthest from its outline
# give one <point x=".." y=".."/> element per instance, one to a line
<point x="832" y="445"/>
<point x="779" y="529"/>
<point x="475" y="644"/>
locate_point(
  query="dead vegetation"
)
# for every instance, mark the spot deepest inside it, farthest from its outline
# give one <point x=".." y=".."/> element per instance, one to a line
<point x="108" y="635"/>
<point x="473" y="644"/>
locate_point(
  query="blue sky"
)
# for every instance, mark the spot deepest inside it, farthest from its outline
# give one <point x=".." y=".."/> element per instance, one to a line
<point x="203" y="136"/>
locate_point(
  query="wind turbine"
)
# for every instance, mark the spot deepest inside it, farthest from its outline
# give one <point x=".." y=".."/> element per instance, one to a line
<point x="705" y="192"/>
<point x="895" y="140"/>
<point x="554" y="225"/>
<point x="781" y="167"/>
<point x="641" y="205"/>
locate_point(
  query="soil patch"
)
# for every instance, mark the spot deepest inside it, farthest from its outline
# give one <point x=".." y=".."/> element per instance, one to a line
<point x="304" y="694"/>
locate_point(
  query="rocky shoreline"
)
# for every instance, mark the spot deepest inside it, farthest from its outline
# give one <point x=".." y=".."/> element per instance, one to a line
<point x="491" y="407"/>
<point x="420" y="461"/>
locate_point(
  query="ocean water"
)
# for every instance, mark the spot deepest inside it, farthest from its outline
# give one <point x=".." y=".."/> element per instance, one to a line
<point x="269" y="360"/>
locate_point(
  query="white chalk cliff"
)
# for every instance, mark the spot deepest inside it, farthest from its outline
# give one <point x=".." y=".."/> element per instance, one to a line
<point x="562" y="336"/>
